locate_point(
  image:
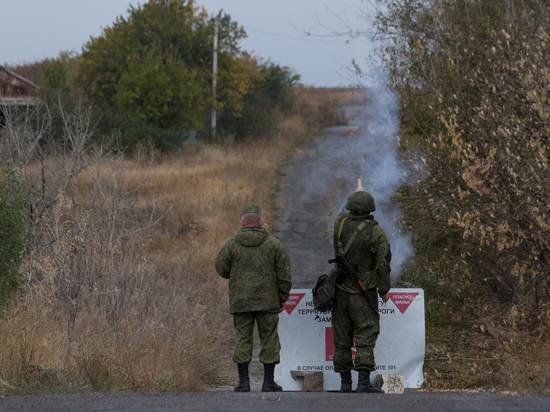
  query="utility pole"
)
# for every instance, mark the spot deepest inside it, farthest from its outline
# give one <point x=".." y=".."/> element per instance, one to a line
<point x="214" y="79"/>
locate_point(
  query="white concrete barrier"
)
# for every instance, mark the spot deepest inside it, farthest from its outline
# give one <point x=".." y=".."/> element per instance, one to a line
<point x="306" y="340"/>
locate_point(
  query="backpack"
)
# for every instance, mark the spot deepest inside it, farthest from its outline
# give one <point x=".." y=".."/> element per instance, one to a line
<point x="324" y="290"/>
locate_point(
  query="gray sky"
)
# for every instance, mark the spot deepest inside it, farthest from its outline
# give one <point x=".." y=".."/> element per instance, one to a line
<point x="34" y="29"/>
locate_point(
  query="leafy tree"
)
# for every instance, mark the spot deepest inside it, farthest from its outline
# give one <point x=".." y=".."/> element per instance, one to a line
<point x="156" y="64"/>
<point x="167" y="95"/>
<point x="270" y="94"/>
<point x="15" y="202"/>
<point x="277" y="83"/>
<point x="58" y="77"/>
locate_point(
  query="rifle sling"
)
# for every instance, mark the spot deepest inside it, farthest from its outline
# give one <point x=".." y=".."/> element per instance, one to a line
<point x="340" y="249"/>
<point x="357" y="230"/>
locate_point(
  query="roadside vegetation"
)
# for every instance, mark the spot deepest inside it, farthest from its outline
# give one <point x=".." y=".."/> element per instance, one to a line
<point x="473" y="78"/>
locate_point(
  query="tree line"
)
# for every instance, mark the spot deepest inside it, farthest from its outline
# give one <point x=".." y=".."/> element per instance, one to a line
<point x="149" y="78"/>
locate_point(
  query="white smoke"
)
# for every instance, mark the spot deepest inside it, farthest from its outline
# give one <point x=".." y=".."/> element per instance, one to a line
<point x="373" y="157"/>
<point x="383" y="171"/>
<point x="323" y="175"/>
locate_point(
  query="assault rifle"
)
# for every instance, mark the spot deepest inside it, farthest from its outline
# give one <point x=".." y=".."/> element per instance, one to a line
<point x="344" y="265"/>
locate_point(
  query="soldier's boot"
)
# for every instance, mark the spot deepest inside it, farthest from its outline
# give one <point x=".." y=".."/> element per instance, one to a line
<point x="244" y="379"/>
<point x="345" y="386"/>
<point x="364" y="384"/>
<point x="269" y="384"/>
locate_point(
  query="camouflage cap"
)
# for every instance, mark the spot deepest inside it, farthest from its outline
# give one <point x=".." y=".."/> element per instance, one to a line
<point x="252" y="209"/>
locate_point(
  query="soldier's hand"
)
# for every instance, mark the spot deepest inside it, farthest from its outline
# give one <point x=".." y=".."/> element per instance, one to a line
<point x="385" y="297"/>
<point x="282" y="304"/>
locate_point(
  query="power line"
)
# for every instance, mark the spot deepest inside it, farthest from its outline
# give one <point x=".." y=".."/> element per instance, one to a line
<point x="292" y="37"/>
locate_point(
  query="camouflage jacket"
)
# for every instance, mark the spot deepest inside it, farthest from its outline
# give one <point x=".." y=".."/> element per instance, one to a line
<point x="370" y="249"/>
<point x="258" y="269"/>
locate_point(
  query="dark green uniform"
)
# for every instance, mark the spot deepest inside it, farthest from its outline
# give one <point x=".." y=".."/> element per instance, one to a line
<point x="258" y="269"/>
<point x="351" y="315"/>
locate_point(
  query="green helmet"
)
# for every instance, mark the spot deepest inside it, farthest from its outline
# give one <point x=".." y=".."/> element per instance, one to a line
<point x="361" y="202"/>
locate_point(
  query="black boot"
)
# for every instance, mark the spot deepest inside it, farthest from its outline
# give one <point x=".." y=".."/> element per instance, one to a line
<point x="345" y="387"/>
<point x="364" y="385"/>
<point x="269" y="384"/>
<point x="244" y="380"/>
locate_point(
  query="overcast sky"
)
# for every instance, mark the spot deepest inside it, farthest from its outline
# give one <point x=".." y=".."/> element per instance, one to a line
<point x="34" y="29"/>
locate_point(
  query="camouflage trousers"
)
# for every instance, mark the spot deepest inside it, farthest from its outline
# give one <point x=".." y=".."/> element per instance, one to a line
<point x="269" y="337"/>
<point x="353" y="317"/>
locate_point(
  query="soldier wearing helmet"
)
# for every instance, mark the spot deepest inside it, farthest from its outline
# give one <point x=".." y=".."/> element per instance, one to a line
<point x="352" y="317"/>
<point x="258" y="269"/>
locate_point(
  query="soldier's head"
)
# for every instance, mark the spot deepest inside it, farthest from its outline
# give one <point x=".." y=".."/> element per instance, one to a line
<point x="361" y="203"/>
<point x="252" y="216"/>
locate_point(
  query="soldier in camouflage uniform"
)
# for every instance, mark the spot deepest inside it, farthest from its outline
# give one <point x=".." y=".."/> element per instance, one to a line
<point x="258" y="269"/>
<point x="369" y="254"/>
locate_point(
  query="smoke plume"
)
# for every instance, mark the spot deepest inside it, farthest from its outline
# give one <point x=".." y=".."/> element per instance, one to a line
<point x="373" y="156"/>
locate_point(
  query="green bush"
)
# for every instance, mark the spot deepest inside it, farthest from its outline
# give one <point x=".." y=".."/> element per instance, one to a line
<point x="270" y="95"/>
<point x="15" y="202"/>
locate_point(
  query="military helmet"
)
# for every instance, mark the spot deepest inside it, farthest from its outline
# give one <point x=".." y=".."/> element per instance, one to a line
<point x="361" y="202"/>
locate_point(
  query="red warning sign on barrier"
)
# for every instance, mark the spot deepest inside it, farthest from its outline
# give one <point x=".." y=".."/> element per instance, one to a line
<point x="329" y="346"/>
<point x="402" y="300"/>
<point x="292" y="302"/>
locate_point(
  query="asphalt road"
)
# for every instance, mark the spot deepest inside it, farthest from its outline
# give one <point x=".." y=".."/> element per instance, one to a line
<point x="286" y="401"/>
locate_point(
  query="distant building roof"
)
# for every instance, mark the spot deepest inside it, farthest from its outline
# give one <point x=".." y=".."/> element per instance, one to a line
<point x="9" y="77"/>
<point x="15" y="91"/>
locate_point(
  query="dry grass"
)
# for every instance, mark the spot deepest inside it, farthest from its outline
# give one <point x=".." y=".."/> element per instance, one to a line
<point x="521" y="367"/>
<point x="122" y="290"/>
